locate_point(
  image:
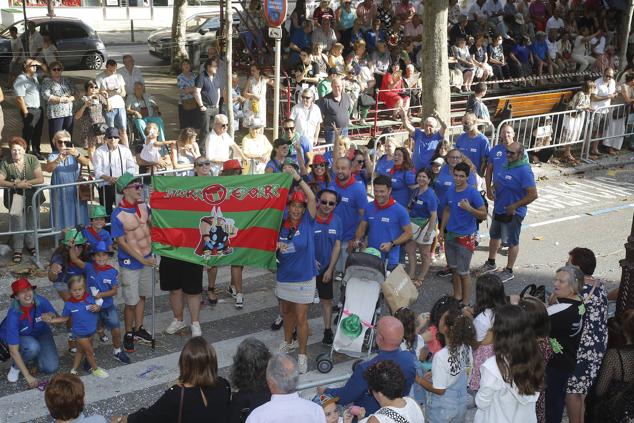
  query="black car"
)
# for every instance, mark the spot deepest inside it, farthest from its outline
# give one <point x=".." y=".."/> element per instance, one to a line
<point x="78" y="44"/>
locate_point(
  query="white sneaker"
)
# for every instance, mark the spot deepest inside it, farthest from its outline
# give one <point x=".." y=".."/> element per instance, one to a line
<point x="286" y="347"/>
<point x="316" y="298"/>
<point x="13" y="375"/>
<point x="302" y="363"/>
<point x="239" y="300"/>
<point x="175" y="326"/>
<point x="196" y="331"/>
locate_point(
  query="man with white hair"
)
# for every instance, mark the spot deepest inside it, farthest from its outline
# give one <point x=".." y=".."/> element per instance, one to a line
<point x="307" y="117"/>
<point x="219" y="145"/>
<point x="425" y="140"/>
<point x="285" y="405"/>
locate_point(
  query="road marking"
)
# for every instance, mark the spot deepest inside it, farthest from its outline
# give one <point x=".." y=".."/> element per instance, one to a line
<point x="551" y="221"/>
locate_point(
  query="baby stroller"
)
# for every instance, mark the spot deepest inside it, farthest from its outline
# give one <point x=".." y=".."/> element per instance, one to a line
<point x="361" y="298"/>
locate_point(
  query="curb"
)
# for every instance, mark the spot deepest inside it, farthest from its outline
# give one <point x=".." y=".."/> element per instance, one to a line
<point x="125" y="43"/>
<point x="594" y="166"/>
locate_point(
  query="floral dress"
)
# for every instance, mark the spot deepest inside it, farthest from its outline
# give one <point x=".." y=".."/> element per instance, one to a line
<point x="594" y="339"/>
<point x="547" y="352"/>
<point x="93" y="114"/>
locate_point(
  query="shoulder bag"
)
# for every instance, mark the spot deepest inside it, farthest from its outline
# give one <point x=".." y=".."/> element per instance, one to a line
<point x="85" y="191"/>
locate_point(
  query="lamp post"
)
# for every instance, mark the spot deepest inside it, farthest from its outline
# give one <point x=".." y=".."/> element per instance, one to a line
<point x="625" y="300"/>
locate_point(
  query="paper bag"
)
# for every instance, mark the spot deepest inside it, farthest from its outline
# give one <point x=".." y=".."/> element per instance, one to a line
<point x="398" y="289"/>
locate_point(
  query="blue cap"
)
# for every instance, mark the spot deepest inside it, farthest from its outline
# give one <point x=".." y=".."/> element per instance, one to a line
<point x="112" y="133"/>
<point x="101" y="247"/>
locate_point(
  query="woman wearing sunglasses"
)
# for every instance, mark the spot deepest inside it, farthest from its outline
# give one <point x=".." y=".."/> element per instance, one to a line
<point x="65" y="166"/>
<point x="319" y="176"/>
<point x="59" y="94"/>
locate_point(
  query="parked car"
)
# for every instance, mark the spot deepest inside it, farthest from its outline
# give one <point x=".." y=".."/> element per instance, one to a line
<point x="78" y="44"/>
<point x="200" y="30"/>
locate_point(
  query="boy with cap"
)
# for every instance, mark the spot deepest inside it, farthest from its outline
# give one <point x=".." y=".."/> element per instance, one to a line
<point x="131" y="228"/>
<point x="95" y="232"/>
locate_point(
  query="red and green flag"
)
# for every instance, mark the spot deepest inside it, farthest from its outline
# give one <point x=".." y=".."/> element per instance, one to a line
<point x="219" y="221"/>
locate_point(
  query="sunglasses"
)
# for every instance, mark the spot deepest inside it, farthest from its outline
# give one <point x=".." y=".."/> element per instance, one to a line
<point x="32" y="66"/>
<point x="328" y="203"/>
<point x="201" y="164"/>
<point x="511" y="153"/>
<point x="290" y="128"/>
<point x="319" y="165"/>
<point x="57" y="69"/>
<point x="137" y="185"/>
<point x="291" y="233"/>
<point x="454" y="157"/>
<point x="360" y="161"/>
<point x="65" y="143"/>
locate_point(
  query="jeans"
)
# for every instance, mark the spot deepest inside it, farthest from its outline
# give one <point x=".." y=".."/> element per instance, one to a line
<point x="32" y="128"/>
<point x="20" y="223"/>
<point x="41" y="350"/>
<point x="556" y="382"/>
<point x="206" y="124"/>
<point x="450" y="407"/>
<point x="117" y="118"/>
<point x="330" y="134"/>
<point x="59" y="124"/>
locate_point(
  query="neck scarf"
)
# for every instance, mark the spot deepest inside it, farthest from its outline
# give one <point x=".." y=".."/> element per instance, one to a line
<point x="350" y="181"/>
<point x="100" y="268"/>
<point x="325" y="220"/>
<point x="127" y="205"/>
<point x="94" y="233"/>
<point x="26" y="313"/>
<point x="395" y="169"/>
<point x="78" y="300"/>
<point x="389" y="203"/>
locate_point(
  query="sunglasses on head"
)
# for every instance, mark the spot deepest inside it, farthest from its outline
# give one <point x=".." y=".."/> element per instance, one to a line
<point x="328" y="203"/>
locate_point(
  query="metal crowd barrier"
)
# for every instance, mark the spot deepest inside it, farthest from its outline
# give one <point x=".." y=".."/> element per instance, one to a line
<point x="608" y="123"/>
<point x="18" y="224"/>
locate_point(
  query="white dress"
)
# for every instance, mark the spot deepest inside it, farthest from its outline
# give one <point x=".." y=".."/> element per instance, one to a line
<point x="411" y="412"/>
<point x="257" y="88"/>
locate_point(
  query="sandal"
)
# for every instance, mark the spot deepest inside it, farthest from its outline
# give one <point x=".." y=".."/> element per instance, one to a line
<point x="31" y="251"/>
<point x="417" y="282"/>
<point x="17" y="257"/>
<point x="212" y="298"/>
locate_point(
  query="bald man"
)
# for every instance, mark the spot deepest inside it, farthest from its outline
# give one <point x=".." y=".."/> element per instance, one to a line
<point x="389" y="335"/>
<point x="426" y="138"/>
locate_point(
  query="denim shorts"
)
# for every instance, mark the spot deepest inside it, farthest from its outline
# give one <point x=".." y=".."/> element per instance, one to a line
<point x="509" y="233"/>
<point x="109" y="317"/>
<point x="450" y="407"/>
<point x="117" y="118"/>
<point x="458" y="257"/>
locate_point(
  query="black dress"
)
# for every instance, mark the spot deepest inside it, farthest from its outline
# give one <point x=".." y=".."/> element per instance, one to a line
<point x="166" y="408"/>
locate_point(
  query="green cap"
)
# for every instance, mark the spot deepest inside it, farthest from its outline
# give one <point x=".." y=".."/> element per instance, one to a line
<point x="73" y="233"/>
<point x="351" y="326"/>
<point x="125" y="180"/>
<point x="290" y="162"/>
<point x="98" y="211"/>
<point x="372" y="251"/>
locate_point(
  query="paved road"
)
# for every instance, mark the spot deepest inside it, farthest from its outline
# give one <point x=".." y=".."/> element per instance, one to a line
<point x="593" y="211"/>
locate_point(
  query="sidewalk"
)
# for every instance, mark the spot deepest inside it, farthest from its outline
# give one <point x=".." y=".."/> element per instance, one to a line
<point x="123" y="37"/>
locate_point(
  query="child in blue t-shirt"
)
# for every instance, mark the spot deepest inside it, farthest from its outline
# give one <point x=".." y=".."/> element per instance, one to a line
<point x="103" y="285"/>
<point x="84" y="311"/>
<point x="95" y="232"/>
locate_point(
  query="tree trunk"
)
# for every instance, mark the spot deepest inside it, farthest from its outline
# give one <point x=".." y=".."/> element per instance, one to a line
<point x="435" y="67"/>
<point x="49" y="8"/>
<point x="179" y="49"/>
<point x="627" y="25"/>
<point x="229" y="54"/>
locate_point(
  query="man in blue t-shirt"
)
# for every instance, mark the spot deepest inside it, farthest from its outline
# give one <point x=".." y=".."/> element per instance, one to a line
<point x="386" y="222"/>
<point x="497" y="156"/>
<point x="352" y="202"/>
<point x="464" y="206"/>
<point x="472" y="143"/>
<point x="513" y="189"/>
<point x="131" y="228"/>
<point x="539" y="50"/>
<point x="425" y="141"/>
<point x="300" y="40"/>
<point x="328" y="232"/>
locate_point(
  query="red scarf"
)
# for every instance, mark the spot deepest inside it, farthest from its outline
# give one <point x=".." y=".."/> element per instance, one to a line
<point x="101" y="268"/>
<point x="319" y="178"/>
<point x="127" y="205"/>
<point x="389" y="203"/>
<point x="351" y="181"/>
<point x="26" y="313"/>
<point x="324" y="221"/>
<point x="288" y="224"/>
<point x="75" y="300"/>
<point x="94" y="233"/>
<point x="395" y="169"/>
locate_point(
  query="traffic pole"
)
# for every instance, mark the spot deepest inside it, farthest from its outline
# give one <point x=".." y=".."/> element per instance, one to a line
<point x="276" y="89"/>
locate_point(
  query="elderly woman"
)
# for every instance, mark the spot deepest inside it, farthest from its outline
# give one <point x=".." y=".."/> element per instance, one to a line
<point x="64" y="399"/>
<point x="574" y="122"/>
<point x="65" y="165"/>
<point x="256" y="147"/>
<point x="59" y="94"/>
<point x="187" y="107"/>
<point x="144" y="110"/>
<point x="185" y="152"/>
<point x="205" y="396"/>
<point x="90" y="117"/>
<point x="248" y="379"/>
<point x="18" y="175"/>
<point x="295" y="286"/>
<point x="29" y="338"/>
<point x="566" y="326"/>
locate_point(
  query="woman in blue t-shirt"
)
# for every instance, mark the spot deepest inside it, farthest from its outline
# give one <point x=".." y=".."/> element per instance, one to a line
<point x="319" y="176"/>
<point x="423" y="212"/>
<point x="279" y="153"/>
<point x="386" y="162"/>
<point x="403" y="177"/>
<point x="296" y="270"/>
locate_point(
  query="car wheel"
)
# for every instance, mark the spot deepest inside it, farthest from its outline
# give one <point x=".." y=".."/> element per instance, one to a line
<point x="93" y="60"/>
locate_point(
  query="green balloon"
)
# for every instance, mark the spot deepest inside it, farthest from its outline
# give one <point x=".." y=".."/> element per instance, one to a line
<point x="351" y="326"/>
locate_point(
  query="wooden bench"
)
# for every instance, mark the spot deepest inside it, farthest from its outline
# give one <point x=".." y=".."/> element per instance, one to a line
<point x="533" y="104"/>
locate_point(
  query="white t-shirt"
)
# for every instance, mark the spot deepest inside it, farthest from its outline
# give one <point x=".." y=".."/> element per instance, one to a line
<point x="553" y="48"/>
<point x="554" y="23"/>
<point x="482" y="323"/>
<point x="218" y="147"/>
<point x="604" y="89"/>
<point x="110" y="83"/>
<point x="307" y="120"/>
<point x="411" y="412"/>
<point x="599" y="45"/>
<point x="420" y="343"/>
<point x="445" y="373"/>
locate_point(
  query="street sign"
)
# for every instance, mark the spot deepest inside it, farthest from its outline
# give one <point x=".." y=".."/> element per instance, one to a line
<point x="275" y="33"/>
<point x="275" y="12"/>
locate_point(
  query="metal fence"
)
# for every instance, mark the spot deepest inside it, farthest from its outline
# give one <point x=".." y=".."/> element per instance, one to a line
<point x="610" y="125"/>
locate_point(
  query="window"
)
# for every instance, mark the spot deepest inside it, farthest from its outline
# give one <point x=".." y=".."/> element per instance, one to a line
<point x="68" y="30"/>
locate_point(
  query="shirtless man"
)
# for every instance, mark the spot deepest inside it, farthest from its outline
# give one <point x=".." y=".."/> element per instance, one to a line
<point x="131" y="228"/>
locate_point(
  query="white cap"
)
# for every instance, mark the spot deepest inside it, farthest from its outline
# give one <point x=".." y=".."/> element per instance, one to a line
<point x="439" y="160"/>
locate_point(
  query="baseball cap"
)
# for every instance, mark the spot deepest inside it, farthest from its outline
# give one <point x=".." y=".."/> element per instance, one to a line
<point x="112" y="133"/>
<point x="232" y="164"/>
<point x="20" y="285"/>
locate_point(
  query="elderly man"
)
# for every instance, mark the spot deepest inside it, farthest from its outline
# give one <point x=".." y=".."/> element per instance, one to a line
<point x="219" y="145"/>
<point x="131" y="228"/>
<point x="307" y="117"/>
<point x="207" y="95"/>
<point x="111" y="160"/>
<point x="425" y="141"/>
<point x="335" y="109"/>
<point x="497" y="156"/>
<point x="285" y="405"/>
<point x="112" y="86"/>
<point x="513" y="189"/>
<point x="130" y="73"/>
<point x="28" y="99"/>
<point x="324" y="33"/>
<point x="389" y="335"/>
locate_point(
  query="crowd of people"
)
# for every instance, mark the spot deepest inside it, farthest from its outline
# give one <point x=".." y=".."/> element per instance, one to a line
<point x="521" y="358"/>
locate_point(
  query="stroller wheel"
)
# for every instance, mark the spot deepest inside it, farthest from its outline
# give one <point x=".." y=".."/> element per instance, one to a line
<point x="324" y="363"/>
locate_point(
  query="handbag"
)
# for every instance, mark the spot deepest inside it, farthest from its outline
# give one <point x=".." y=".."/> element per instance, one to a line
<point x="189" y="104"/>
<point x="398" y="289"/>
<point x="366" y="100"/>
<point x="99" y="128"/>
<point x="392" y="415"/>
<point x="17" y="204"/>
<point x="85" y="191"/>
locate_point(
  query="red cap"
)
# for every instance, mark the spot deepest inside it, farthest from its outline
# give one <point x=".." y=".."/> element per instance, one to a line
<point x="319" y="159"/>
<point x="231" y="165"/>
<point x="20" y="285"/>
<point x="297" y="197"/>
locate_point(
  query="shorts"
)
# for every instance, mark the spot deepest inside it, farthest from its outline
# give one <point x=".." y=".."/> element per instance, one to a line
<point x="509" y="233"/>
<point x="296" y="292"/>
<point x="418" y="234"/>
<point x="325" y="290"/>
<point x="109" y="317"/>
<point x="84" y="335"/>
<point x="136" y="283"/>
<point x="60" y="287"/>
<point x="117" y="118"/>
<point x="458" y="257"/>
<point x="343" y="256"/>
<point x="178" y="274"/>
